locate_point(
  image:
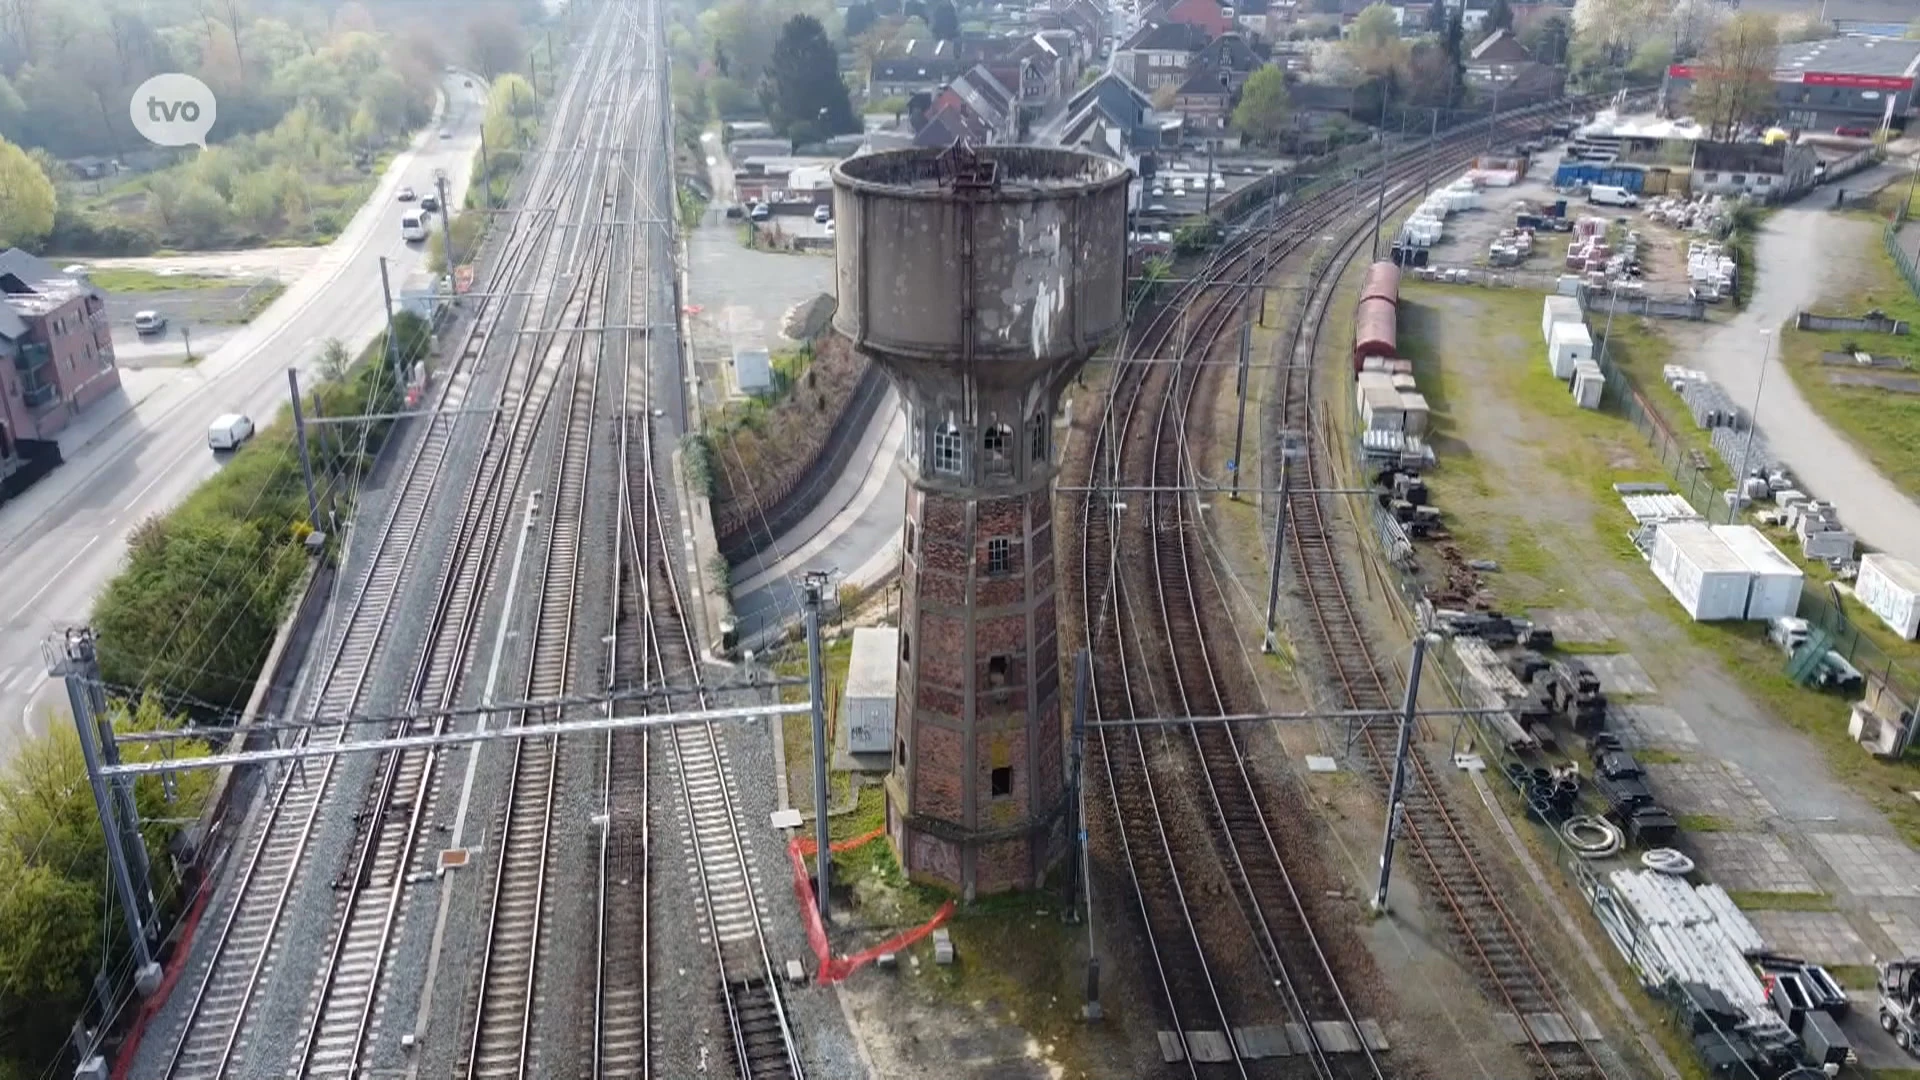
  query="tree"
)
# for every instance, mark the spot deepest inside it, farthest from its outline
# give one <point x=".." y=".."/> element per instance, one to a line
<point x="1733" y="77"/>
<point x="1373" y="43"/>
<point x="335" y="360"/>
<point x="802" y="93"/>
<point x="1612" y="29"/>
<point x="944" y="21"/>
<point x="26" y="200"/>
<point x="1546" y="38"/>
<point x="1499" y="17"/>
<point x="494" y="43"/>
<point x="1261" y="115"/>
<point x="859" y="19"/>
<point x="1165" y="97"/>
<point x="914" y="9"/>
<point x="1437" y="17"/>
<point x="743" y="39"/>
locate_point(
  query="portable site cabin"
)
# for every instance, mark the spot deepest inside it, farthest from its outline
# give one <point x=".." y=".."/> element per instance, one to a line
<point x="1890" y="588"/>
<point x="1701" y="571"/>
<point x="1568" y="344"/>
<point x="1774" y="591"/>
<point x="872" y="678"/>
<point x="1558" y="309"/>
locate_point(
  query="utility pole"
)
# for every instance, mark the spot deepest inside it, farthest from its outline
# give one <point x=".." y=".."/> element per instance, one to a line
<point x="816" y="689"/>
<point x="1269" y="644"/>
<point x="73" y="658"/>
<point x="186" y="340"/>
<point x="1240" y="420"/>
<point x="1076" y="815"/>
<point x="1395" y="790"/>
<point x="386" y="293"/>
<point x="446" y="212"/>
<point x="300" y="440"/>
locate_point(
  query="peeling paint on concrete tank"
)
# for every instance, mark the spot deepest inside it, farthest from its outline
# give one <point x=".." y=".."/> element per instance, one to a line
<point x="980" y="281"/>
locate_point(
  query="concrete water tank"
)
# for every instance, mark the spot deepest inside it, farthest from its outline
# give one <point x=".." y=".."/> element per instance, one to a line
<point x="1004" y="253"/>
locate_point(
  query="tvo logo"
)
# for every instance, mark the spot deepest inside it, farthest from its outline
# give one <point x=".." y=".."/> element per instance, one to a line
<point x="173" y="110"/>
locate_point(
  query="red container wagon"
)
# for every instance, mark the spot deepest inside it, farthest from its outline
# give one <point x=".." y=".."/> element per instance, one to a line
<point x="1382" y="283"/>
<point x="1375" y="330"/>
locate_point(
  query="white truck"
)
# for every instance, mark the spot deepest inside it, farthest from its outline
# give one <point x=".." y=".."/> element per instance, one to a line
<point x="1610" y="195"/>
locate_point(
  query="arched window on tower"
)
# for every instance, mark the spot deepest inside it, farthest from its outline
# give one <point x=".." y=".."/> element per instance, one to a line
<point x="1037" y="431"/>
<point x="947" y="449"/>
<point x="997" y="444"/>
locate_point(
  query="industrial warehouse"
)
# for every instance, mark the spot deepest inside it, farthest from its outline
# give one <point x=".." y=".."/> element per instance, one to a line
<point x="1091" y="540"/>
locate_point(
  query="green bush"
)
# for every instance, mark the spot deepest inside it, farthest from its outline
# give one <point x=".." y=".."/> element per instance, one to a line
<point x="76" y="232"/>
<point x="195" y="611"/>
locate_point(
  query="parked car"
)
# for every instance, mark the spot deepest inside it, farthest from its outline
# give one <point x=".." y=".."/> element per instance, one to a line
<point x="1848" y="131"/>
<point x="406" y="194"/>
<point x="429" y="203"/>
<point x="823" y="214"/>
<point x="445" y="134"/>
<point x="149" y="322"/>
<point x="760" y="212"/>
<point x="829" y="229"/>
<point x="228" y="432"/>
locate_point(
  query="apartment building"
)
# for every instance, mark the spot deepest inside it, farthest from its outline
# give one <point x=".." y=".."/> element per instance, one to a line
<point x="56" y="347"/>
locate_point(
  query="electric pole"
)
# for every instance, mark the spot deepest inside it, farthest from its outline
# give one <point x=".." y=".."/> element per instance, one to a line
<point x="300" y="440"/>
<point x="446" y="218"/>
<point x="386" y="292"/>
<point x="816" y="688"/>
<point x="1240" y="421"/>
<point x="1396" y="790"/>
<point x="73" y="658"/>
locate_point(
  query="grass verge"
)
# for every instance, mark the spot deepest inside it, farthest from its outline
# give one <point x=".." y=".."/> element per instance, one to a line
<point x="1698" y="822"/>
<point x="120" y="279"/>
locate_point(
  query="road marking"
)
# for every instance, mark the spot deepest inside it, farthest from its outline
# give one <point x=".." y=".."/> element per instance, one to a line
<point x="23" y="674"/>
<point x="35" y="598"/>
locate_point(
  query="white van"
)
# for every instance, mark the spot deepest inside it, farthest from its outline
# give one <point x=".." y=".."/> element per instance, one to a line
<point x="413" y="227"/>
<point x="229" y="431"/>
<point x="1609" y="195"/>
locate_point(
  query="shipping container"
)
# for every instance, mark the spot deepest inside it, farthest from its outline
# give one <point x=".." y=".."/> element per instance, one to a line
<point x="1567" y="345"/>
<point x="1890" y="588"/>
<point x="1375" y="330"/>
<point x="1587" y="174"/>
<point x="872" y="678"/>
<point x="1774" y="591"/>
<point x="1700" y="571"/>
<point x="1383" y="283"/>
<point x="1380" y="409"/>
<point x="1558" y="309"/>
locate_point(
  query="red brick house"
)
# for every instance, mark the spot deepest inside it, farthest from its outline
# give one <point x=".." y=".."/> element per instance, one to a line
<point x="56" y="348"/>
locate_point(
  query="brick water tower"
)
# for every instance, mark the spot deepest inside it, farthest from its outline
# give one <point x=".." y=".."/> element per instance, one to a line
<point x="980" y="280"/>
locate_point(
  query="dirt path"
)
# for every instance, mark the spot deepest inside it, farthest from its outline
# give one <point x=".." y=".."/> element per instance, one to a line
<point x="1804" y="254"/>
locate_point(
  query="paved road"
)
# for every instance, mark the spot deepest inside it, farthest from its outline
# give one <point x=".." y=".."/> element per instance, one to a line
<point x="1798" y="244"/>
<point x="62" y="540"/>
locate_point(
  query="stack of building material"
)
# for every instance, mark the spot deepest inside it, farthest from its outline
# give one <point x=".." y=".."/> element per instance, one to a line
<point x="1568" y="344"/>
<point x="1890" y="588"/>
<point x="1710" y="270"/>
<point x="1378" y="402"/>
<point x="1744" y="451"/>
<point x="1510" y="248"/>
<point x="1709" y="404"/>
<point x="1774" y="591"/>
<point x="1397" y="449"/>
<point x="1387" y="365"/>
<point x="1587" y="383"/>
<point x="1404" y="383"/>
<point x="1686" y="934"/>
<point x="1709" y="580"/>
<point x="1414" y="413"/>
<point x="1489" y="685"/>
<point x="1652" y="509"/>
<point x="1817" y="526"/>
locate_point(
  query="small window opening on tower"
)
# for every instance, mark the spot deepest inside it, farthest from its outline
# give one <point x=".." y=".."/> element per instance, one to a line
<point x="1003" y="781"/>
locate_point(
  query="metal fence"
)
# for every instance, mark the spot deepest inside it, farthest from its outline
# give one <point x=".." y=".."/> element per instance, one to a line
<point x="1548" y="281"/>
<point x="1863" y="324"/>
<point x="1891" y="237"/>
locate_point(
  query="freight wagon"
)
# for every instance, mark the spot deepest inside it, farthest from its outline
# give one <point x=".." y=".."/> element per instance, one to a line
<point x="1376" y="320"/>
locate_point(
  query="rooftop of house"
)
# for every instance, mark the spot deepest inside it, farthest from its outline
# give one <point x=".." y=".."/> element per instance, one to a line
<point x="1229" y="51"/>
<point x="1206" y="81"/>
<point x="1167" y="37"/>
<point x="31" y="287"/>
<point x="1116" y="92"/>
<point x="984" y="94"/>
<point x="1499" y="48"/>
<point x="1852" y="56"/>
<point x="950" y="123"/>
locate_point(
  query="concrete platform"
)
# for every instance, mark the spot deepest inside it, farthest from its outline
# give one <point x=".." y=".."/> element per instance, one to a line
<point x="1651" y="726"/>
<point x="1901" y="927"/>
<point x="1751" y="862"/>
<point x="1825" y="937"/>
<point x="1871" y="865"/>
<point x="1715" y="788"/>
<point x="1621" y="675"/>
<point x="1575" y="626"/>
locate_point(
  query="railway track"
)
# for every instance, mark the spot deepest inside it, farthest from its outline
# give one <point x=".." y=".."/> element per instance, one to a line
<point x="1145" y="585"/>
<point x="215" y="1038"/>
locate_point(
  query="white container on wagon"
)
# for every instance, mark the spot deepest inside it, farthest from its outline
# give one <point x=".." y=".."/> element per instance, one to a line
<point x="1775" y="590"/>
<point x="1568" y="344"/>
<point x="1414" y="413"/>
<point x="872" y="678"/>
<point x="1558" y="309"/>
<point x="1890" y="588"/>
<point x="1701" y="571"/>
<point x="1381" y="409"/>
